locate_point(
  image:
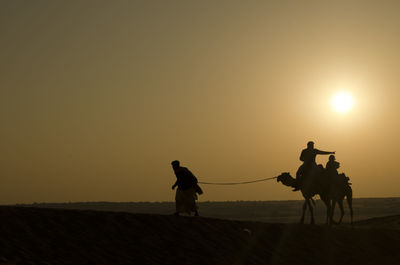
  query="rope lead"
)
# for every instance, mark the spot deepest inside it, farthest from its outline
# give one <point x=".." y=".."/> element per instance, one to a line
<point x="235" y="183"/>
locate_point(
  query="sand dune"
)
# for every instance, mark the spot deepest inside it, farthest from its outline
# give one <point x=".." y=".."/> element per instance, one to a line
<point x="387" y="222"/>
<point x="56" y="236"/>
<point x="262" y="211"/>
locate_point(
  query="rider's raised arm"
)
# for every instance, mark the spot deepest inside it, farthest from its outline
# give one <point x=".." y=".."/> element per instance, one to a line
<point x="319" y="152"/>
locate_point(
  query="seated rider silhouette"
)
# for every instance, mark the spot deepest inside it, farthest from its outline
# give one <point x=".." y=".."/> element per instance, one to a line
<point x="332" y="166"/>
<point x="332" y="169"/>
<point x="308" y="156"/>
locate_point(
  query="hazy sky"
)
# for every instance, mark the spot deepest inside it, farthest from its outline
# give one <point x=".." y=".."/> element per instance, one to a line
<point x="98" y="97"/>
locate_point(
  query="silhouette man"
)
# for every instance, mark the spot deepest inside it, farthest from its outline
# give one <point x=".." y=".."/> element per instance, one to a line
<point x="185" y="197"/>
<point x="332" y="169"/>
<point x="308" y="156"/>
<point x="332" y="166"/>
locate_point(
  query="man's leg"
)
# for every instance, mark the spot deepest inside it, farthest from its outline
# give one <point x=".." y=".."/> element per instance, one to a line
<point x="178" y="202"/>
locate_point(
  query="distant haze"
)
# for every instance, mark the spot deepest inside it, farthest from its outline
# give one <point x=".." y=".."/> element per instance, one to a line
<point x="98" y="97"/>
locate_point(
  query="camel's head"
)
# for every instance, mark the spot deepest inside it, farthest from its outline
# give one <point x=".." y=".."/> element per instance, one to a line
<point x="285" y="178"/>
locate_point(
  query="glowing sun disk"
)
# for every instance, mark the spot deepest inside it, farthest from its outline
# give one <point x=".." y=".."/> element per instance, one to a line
<point x="342" y="102"/>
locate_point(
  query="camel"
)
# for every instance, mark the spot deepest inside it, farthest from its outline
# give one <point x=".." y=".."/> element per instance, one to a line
<point x="339" y="189"/>
<point x="330" y="192"/>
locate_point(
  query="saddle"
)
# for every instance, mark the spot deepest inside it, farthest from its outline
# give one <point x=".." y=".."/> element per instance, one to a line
<point x="339" y="179"/>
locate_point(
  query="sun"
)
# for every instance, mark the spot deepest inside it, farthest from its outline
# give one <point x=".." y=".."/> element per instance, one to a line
<point x="342" y="102"/>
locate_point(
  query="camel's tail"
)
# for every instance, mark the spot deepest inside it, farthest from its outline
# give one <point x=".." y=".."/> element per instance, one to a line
<point x="349" y="196"/>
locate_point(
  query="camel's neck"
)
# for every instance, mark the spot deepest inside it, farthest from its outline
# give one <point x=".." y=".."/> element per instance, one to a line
<point x="289" y="181"/>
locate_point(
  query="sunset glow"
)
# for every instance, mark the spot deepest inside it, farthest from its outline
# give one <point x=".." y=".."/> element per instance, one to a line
<point x="342" y="102"/>
<point x="98" y="97"/>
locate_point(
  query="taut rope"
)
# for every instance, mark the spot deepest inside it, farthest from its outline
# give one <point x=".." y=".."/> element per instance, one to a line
<point x="235" y="183"/>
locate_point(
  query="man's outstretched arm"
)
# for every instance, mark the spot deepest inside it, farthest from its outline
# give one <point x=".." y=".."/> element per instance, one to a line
<point x="319" y="152"/>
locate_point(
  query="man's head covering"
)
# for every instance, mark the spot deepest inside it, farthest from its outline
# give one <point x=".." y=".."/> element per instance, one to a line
<point x="175" y="163"/>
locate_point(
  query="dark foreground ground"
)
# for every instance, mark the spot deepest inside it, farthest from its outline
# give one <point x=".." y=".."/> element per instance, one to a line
<point x="58" y="236"/>
<point x="263" y="211"/>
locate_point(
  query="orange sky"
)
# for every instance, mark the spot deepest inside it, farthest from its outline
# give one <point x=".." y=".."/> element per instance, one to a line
<point x="97" y="97"/>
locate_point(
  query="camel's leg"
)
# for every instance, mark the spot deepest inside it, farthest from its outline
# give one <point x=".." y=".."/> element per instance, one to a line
<point x="328" y="211"/>
<point x="349" y="197"/>
<point x="340" y="203"/>
<point x="304" y="212"/>
<point x="311" y="211"/>
<point x="328" y="208"/>
<point x="333" y="212"/>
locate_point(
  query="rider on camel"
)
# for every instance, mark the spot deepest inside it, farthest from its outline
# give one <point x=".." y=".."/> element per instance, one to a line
<point x="332" y="169"/>
<point x="308" y="156"/>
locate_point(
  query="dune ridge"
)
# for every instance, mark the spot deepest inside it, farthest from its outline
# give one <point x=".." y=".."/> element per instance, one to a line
<point x="57" y="236"/>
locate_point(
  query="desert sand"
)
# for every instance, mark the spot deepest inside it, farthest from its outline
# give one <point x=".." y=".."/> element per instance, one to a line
<point x="31" y="235"/>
